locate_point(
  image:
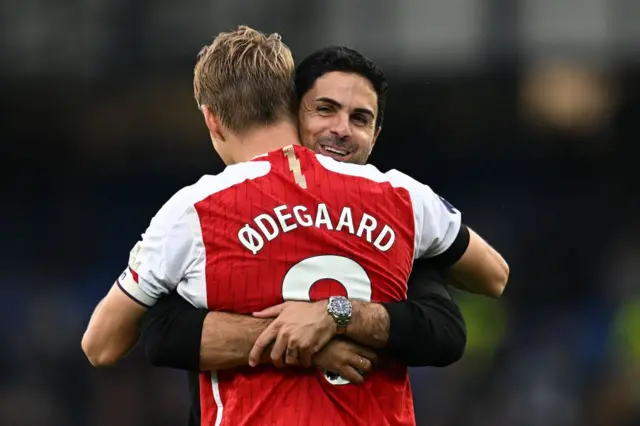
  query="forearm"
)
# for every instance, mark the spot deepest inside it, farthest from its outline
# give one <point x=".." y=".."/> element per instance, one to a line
<point x="369" y="324"/>
<point x="427" y="329"/>
<point x="177" y="335"/>
<point x="227" y="340"/>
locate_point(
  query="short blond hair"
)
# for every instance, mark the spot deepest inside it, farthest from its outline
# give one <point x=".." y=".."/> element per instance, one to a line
<point x="246" y="78"/>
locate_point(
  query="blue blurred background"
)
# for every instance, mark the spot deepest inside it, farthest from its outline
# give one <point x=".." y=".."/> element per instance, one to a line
<point x="522" y="113"/>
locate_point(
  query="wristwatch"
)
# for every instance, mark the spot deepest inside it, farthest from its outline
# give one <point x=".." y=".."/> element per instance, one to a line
<point x="339" y="307"/>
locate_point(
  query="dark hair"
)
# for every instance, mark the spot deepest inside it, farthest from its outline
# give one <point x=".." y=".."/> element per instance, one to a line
<point x="341" y="59"/>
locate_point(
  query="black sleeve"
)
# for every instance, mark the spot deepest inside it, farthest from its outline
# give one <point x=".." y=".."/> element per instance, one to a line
<point x="454" y="252"/>
<point x="171" y="333"/>
<point x="427" y="329"/>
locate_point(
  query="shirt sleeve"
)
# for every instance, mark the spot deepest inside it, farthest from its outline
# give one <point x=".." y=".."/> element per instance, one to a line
<point x="438" y="225"/>
<point x="427" y="329"/>
<point x="171" y="333"/>
<point x="162" y="258"/>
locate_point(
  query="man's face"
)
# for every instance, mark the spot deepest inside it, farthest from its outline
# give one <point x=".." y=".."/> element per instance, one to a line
<point x="337" y="117"/>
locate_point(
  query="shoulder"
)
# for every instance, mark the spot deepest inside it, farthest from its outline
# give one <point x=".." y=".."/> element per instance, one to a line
<point x="235" y="175"/>
<point x="393" y="177"/>
<point x="399" y="179"/>
<point x="183" y="201"/>
<point x="367" y="171"/>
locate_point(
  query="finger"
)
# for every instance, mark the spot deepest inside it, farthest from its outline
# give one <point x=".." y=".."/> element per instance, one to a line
<point x="351" y="374"/>
<point x="361" y="363"/>
<point x="270" y="312"/>
<point x="305" y="358"/>
<point x="262" y="343"/>
<point x="368" y="354"/>
<point x="292" y="356"/>
<point x="278" y="351"/>
<point x="365" y="352"/>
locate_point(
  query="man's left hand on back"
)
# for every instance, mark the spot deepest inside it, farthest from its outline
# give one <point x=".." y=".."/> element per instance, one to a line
<point x="300" y="330"/>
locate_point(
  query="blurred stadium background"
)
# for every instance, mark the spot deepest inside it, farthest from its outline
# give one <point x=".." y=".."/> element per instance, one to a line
<point x="522" y="113"/>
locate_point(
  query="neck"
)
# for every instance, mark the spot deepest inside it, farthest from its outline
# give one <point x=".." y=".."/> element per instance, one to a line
<point x="265" y="140"/>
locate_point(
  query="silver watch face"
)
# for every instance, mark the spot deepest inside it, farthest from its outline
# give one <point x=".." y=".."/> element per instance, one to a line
<point x="340" y="306"/>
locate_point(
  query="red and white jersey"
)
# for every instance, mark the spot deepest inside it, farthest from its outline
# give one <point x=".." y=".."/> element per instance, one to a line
<point x="293" y="225"/>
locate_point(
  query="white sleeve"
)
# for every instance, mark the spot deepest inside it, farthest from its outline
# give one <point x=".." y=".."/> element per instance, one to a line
<point x="437" y="223"/>
<point x="159" y="261"/>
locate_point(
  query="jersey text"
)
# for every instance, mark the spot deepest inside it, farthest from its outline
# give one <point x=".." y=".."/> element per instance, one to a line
<point x="268" y="226"/>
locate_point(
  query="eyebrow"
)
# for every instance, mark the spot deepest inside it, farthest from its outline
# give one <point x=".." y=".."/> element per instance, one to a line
<point x="339" y="105"/>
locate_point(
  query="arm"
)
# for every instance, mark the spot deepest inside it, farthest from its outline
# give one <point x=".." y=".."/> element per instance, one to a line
<point x="472" y="265"/>
<point x="171" y="332"/>
<point x="427" y="329"/>
<point x="481" y="269"/>
<point x="431" y="331"/>
<point x="157" y="263"/>
<point x="177" y="335"/>
<point x="229" y="340"/>
<point x="113" y="328"/>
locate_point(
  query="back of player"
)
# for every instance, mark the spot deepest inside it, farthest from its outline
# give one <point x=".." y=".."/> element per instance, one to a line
<point x="294" y="225"/>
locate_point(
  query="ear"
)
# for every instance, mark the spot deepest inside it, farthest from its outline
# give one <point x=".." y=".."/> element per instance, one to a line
<point x="213" y="123"/>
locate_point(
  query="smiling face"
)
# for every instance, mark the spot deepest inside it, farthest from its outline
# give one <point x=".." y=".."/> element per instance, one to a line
<point x="337" y="117"/>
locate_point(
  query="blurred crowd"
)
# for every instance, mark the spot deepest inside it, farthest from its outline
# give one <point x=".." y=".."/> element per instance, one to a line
<point x="540" y="158"/>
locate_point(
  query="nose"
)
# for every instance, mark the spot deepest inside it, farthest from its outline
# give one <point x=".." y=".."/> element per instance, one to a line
<point x="341" y="127"/>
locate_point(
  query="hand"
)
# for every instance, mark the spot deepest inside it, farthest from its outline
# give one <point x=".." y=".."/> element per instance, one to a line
<point x="347" y="358"/>
<point x="300" y="329"/>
